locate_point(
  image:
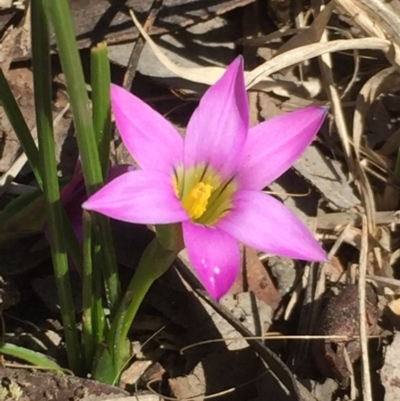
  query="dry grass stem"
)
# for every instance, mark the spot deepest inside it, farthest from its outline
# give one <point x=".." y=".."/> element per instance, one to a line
<point x="366" y="372"/>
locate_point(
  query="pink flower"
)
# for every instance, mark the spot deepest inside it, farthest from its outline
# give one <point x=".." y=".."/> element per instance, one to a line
<point x="74" y="193"/>
<point x="211" y="180"/>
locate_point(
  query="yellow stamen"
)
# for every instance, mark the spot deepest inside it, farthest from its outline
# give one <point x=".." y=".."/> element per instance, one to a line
<point x="196" y="201"/>
<point x="175" y="186"/>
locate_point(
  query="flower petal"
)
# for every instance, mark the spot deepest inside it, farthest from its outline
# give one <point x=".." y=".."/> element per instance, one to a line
<point x="73" y="188"/>
<point x="215" y="257"/>
<point x="150" y="138"/>
<point x="119" y="169"/>
<point x="74" y="194"/>
<point x="264" y="223"/>
<point x="274" y="145"/>
<point x="218" y="128"/>
<point x="142" y="196"/>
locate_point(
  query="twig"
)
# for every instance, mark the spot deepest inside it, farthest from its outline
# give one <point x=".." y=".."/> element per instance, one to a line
<point x="326" y="66"/>
<point x="349" y="366"/>
<point x="139" y="45"/>
<point x="279" y="369"/>
<point x="366" y="374"/>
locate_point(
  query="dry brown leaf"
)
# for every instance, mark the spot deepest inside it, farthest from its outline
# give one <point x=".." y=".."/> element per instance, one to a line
<point x="395" y="306"/>
<point x="222" y="373"/>
<point x="311" y="34"/>
<point x="134" y="372"/>
<point x="255" y="278"/>
<point x="390" y="372"/>
<point x="378" y="19"/>
<point x="386" y="80"/>
<point x="209" y="75"/>
<point x="327" y="176"/>
<point x="4" y="4"/>
<point x="295" y="56"/>
<point x="391" y="145"/>
<point x="205" y="75"/>
<point x="136" y="397"/>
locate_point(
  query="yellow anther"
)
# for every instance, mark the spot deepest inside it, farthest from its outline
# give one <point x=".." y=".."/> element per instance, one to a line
<point x="175" y="186"/>
<point x="196" y="201"/>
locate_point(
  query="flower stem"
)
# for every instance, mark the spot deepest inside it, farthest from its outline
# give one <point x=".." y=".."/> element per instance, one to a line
<point x="60" y="16"/>
<point x="100" y="79"/>
<point x="98" y="314"/>
<point x="154" y="262"/>
<point x="87" y="292"/>
<point x="107" y="261"/>
<point x="48" y="167"/>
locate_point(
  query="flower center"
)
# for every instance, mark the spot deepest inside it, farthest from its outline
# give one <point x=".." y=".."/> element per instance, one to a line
<point x="203" y="194"/>
<point x="197" y="200"/>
